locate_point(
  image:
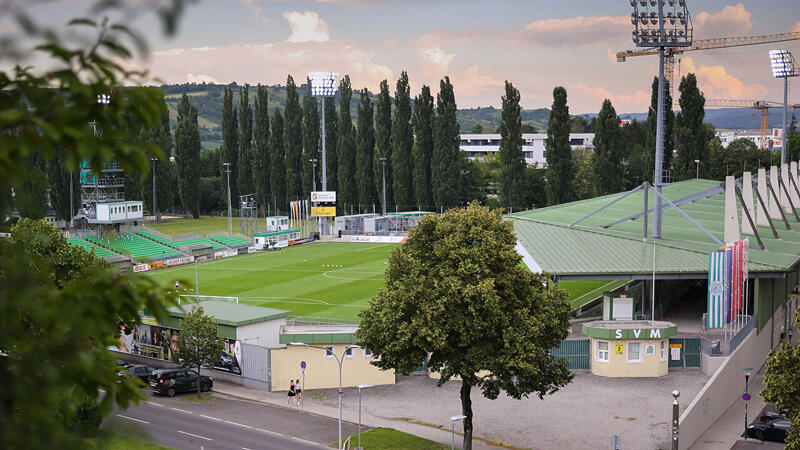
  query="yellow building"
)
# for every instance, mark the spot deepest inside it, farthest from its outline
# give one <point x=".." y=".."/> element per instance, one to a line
<point x="320" y="347"/>
<point x="629" y="348"/>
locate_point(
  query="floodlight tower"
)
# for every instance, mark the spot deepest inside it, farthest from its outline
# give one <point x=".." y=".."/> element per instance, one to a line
<point x="783" y="66"/>
<point x="664" y="24"/>
<point x="323" y="84"/>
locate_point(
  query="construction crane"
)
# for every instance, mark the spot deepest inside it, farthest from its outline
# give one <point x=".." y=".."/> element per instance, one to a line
<point x="763" y="105"/>
<point x="706" y="44"/>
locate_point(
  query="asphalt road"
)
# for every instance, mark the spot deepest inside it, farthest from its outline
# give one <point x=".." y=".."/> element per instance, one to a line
<point x="225" y="424"/>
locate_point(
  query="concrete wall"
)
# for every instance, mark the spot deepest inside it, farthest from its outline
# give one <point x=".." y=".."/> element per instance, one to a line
<point x="724" y="387"/>
<point x="264" y="334"/>
<point x="322" y="372"/>
<point x="618" y="365"/>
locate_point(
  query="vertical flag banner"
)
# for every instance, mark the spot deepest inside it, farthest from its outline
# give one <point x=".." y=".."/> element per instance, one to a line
<point x="715" y="317"/>
<point x="728" y="283"/>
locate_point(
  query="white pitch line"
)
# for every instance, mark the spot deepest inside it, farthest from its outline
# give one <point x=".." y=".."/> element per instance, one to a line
<point x="212" y="418"/>
<point x="270" y="432"/>
<point x="154" y="404"/>
<point x="195" y="435"/>
<point x="303" y="440"/>
<point x="182" y="410"/>
<point x="238" y="424"/>
<point x="131" y="418"/>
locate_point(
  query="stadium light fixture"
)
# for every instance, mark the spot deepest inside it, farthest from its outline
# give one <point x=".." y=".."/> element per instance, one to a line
<point x="323" y="84"/>
<point x="783" y="66"/>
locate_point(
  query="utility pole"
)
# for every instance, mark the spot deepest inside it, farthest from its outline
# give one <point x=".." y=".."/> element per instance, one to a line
<point x="230" y="211"/>
<point x="71" y="203"/>
<point x="313" y="161"/>
<point x="155" y="202"/>
<point x="383" y="171"/>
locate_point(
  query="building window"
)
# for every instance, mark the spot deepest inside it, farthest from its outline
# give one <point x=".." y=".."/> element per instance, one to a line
<point x="367" y="353"/>
<point x="329" y="352"/>
<point x="634" y="352"/>
<point x="348" y="353"/>
<point x="602" y="351"/>
<point x="662" y="350"/>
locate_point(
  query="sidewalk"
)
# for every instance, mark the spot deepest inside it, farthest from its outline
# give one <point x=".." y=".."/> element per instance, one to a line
<point x="329" y="408"/>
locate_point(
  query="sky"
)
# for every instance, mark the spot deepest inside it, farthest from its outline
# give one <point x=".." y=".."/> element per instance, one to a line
<point x="535" y="44"/>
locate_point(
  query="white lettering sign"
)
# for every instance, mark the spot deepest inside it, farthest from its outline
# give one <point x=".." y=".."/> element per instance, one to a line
<point x="655" y="333"/>
<point x="323" y="196"/>
<point x="636" y="333"/>
<point x="619" y="334"/>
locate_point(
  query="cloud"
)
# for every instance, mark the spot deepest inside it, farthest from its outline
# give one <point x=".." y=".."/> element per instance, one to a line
<point x="716" y="83"/>
<point x="639" y="100"/>
<point x="796" y="27"/>
<point x="730" y="21"/>
<point x="473" y="82"/>
<point x="572" y="32"/>
<point x="200" y="78"/>
<point x="250" y="4"/>
<point x="439" y="38"/>
<point x="307" y="27"/>
<point x="434" y="62"/>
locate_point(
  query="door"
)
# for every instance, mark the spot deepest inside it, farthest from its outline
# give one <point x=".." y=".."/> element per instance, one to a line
<point x="191" y="380"/>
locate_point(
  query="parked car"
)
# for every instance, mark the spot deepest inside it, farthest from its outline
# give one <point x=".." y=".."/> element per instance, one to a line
<point x="122" y="363"/>
<point x="139" y="371"/>
<point x="173" y="381"/>
<point x="774" y="430"/>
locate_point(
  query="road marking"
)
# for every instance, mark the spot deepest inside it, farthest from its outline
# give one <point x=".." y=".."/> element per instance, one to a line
<point x="269" y="432"/>
<point x="131" y="418"/>
<point x="190" y="434"/>
<point x="303" y="440"/>
<point x="154" y="404"/>
<point x="209" y="417"/>
<point x="182" y="410"/>
<point x="239" y="424"/>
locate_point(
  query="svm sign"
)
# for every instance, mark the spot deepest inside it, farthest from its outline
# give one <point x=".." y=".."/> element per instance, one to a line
<point x="654" y="333"/>
<point x="608" y="329"/>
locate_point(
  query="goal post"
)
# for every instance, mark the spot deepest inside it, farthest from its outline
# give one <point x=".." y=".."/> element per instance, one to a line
<point x="191" y="298"/>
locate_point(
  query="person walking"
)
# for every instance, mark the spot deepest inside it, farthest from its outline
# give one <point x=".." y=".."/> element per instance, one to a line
<point x="298" y="392"/>
<point x="291" y="394"/>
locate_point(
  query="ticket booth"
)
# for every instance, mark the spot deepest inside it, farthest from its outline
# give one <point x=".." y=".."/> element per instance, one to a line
<point x="629" y="348"/>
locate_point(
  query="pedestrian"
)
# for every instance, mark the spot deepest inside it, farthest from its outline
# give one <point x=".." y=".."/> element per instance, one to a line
<point x="291" y="394"/>
<point x="298" y="392"/>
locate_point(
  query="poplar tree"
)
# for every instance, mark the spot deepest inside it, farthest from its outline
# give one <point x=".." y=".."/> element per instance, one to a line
<point x="558" y="152"/>
<point x="383" y="149"/>
<point x="160" y="136"/>
<point x="311" y="136"/>
<point x="365" y="148"/>
<point x="607" y="167"/>
<point x="512" y="160"/>
<point x="230" y="143"/>
<point x="669" y="130"/>
<point x="423" y="148"/>
<point x="293" y="141"/>
<point x="448" y="160"/>
<point x="345" y="149"/>
<point x="401" y="142"/>
<point x="261" y="166"/>
<point x="187" y="156"/>
<point x="245" y="175"/>
<point x="692" y="136"/>
<point x="331" y="140"/>
<point x="277" y="176"/>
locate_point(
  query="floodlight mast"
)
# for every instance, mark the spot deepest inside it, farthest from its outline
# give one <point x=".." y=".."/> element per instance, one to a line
<point x="653" y="27"/>
<point x="783" y="66"/>
<point x="323" y="84"/>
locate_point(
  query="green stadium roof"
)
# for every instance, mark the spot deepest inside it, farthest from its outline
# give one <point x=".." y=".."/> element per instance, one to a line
<point x="588" y="251"/>
<point x="232" y="314"/>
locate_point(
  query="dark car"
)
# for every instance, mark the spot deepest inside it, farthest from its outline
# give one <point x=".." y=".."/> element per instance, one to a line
<point x="774" y="430"/>
<point x="173" y="381"/>
<point x="139" y="371"/>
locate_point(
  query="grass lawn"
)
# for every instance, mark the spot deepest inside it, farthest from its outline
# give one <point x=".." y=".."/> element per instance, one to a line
<point x="203" y="225"/>
<point x="584" y="291"/>
<point x="389" y="438"/>
<point x="113" y="441"/>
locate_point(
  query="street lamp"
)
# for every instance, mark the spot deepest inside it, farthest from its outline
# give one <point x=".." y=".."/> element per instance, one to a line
<point x="383" y="171"/>
<point x="664" y="24"/>
<point x="313" y="161"/>
<point x="783" y="66"/>
<point x="230" y="213"/>
<point x="697" y="163"/>
<point x="155" y="202"/>
<point x="746" y="386"/>
<point x="339" y="361"/>
<point x="360" y="387"/>
<point x="453" y="421"/>
<point x="675" y="418"/>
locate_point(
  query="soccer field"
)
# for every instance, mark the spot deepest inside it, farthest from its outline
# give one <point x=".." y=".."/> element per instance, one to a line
<point x="329" y="280"/>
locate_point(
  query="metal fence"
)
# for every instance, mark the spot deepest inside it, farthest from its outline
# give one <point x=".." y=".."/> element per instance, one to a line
<point x="728" y="341"/>
<point x="576" y="352"/>
<point x="689" y="352"/>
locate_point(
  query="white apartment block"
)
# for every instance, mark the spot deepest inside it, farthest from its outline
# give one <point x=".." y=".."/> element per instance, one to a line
<point x="773" y="138"/>
<point x="533" y="145"/>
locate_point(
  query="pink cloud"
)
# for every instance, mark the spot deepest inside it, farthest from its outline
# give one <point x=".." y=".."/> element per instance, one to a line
<point x="716" y="83"/>
<point x="730" y="21"/>
<point x="572" y="32"/>
<point x="307" y="27"/>
<point x="639" y="100"/>
<point x="472" y="82"/>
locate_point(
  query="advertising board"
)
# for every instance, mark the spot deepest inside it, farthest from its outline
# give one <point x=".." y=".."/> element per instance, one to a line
<point x="301" y="241"/>
<point x="141" y="267"/>
<point x="379" y="239"/>
<point x="225" y="254"/>
<point x="323" y="197"/>
<point x="323" y="211"/>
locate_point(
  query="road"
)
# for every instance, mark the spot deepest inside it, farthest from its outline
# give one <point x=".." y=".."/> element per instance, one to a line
<point x="224" y="424"/>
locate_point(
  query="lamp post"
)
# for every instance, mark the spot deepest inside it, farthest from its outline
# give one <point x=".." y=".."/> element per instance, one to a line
<point x="339" y="361"/>
<point x="360" y="387"/>
<point x="453" y="421"/>
<point x="230" y="213"/>
<point x="383" y="171"/>
<point x="746" y="386"/>
<point x="675" y="417"/>
<point x="783" y="66"/>
<point x="323" y="84"/>
<point x="313" y="161"/>
<point x="697" y="163"/>
<point x="155" y="202"/>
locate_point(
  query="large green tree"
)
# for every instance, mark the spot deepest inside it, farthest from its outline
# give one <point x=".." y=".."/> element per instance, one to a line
<point x="160" y="136"/>
<point x="277" y="175"/>
<point x="401" y="141"/>
<point x="331" y="140"/>
<point x="365" y="149"/>
<point x="423" y="148"/>
<point x="607" y="160"/>
<point x="383" y="148"/>
<point x="59" y="178"/>
<point x="457" y="293"/>
<point x="245" y="164"/>
<point x="782" y="385"/>
<point x="187" y="156"/>
<point x="31" y="195"/>
<point x="512" y="160"/>
<point x="692" y="141"/>
<point x="311" y="142"/>
<point x="669" y="130"/>
<point x="198" y="343"/>
<point x="448" y="160"/>
<point x="230" y="143"/>
<point x="558" y="152"/>
<point x="347" y="194"/>
<point x="293" y="141"/>
<point x="261" y="166"/>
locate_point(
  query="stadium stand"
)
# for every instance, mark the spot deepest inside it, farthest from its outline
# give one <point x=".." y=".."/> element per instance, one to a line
<point x="136" y="246"/>
<point x="88" y="246"/>
<point x="204" y="241"/>
<point x="231" y="241"/>
<point x="158" y="239"/>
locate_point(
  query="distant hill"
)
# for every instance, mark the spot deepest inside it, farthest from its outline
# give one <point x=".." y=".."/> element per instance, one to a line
<point x="728" y="118"/>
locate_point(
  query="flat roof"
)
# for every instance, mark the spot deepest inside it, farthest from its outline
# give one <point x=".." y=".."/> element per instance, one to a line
<point x="233" y="314"/>
<point x="277" y="233"/>
<point x="587" y="250"/>
<point x="319" y="334"/>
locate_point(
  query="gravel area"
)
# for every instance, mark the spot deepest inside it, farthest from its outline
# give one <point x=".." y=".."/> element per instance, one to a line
<point x="585" y="414"/>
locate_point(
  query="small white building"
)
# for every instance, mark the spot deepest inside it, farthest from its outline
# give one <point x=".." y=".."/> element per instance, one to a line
<point x="118" y="212"/>
<point x="533" y="145"/>
<point x="276" y="239"/>
<point x="277" y="223"/>
<point x="774" y="138"/>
